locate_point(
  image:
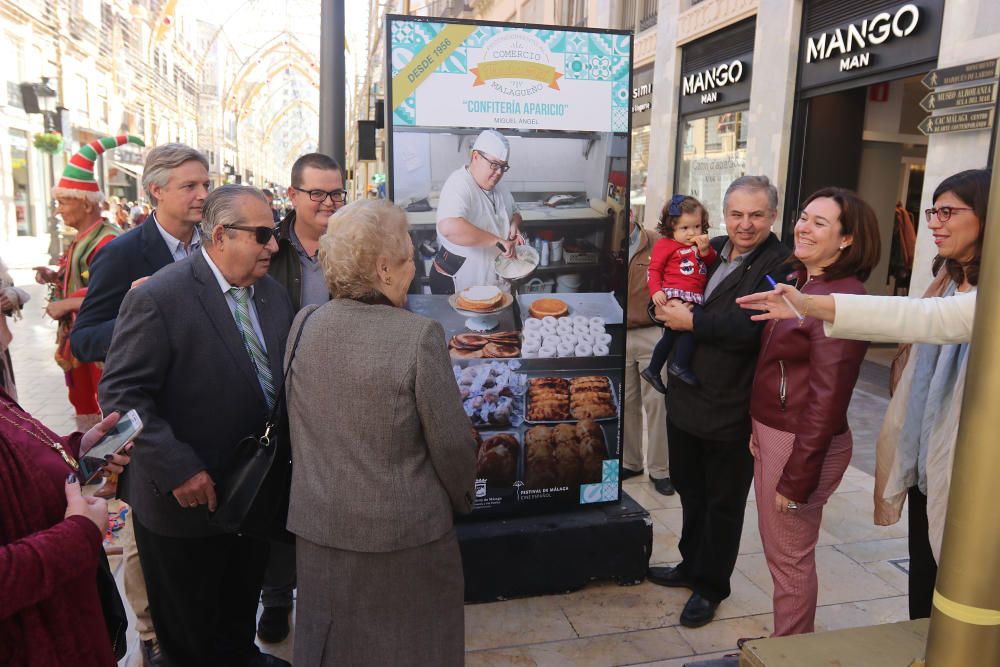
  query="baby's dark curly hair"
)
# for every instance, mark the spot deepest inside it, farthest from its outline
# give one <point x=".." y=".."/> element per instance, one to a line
<point x="674" y="209"/>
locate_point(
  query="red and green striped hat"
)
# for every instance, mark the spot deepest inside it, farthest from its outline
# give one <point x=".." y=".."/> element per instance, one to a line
<point x="78" y="176"/>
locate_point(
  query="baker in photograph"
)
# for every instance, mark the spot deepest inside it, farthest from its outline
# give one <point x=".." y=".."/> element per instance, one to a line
<point x="476" y="217"/>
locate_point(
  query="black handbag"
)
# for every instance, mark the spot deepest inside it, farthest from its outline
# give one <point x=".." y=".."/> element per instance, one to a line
<point x="253" y="496"/>
<point x="112" y="606"/>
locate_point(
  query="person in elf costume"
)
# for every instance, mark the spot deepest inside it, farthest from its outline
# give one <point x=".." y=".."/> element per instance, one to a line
<point x="79" y="202"/>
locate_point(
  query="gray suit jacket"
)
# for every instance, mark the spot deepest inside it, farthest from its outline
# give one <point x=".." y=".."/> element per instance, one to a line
<point x="384" y="453"/>
<point x="178" y="359"/>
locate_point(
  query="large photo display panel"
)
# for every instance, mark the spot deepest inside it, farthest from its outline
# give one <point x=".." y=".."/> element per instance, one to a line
<point x="508" y="148"/>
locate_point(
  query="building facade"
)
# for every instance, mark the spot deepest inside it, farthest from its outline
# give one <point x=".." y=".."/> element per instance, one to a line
<point x="823" y="92"/>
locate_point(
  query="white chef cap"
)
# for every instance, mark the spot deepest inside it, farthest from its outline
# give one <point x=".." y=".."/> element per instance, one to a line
<point x="492" y="143"/>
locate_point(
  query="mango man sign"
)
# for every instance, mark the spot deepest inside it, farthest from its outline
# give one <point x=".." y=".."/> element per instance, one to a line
<point x="472" y="75"/>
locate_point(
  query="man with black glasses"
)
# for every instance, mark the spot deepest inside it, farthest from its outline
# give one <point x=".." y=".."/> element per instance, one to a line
<point x="316" y="193"/>
<point x="476" y="217"/>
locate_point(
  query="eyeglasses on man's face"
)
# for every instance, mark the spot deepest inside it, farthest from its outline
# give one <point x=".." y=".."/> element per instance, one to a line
<point x="944" y="213"/>
<point x="319" y="196"/>
<point x="495" y="165"/>
<point x="261" y="235"/>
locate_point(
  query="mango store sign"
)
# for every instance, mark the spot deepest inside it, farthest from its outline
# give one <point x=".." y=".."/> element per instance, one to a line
<point x="850" y="43"/>
<point x="708" y="81"/>
<point x="461" y="75"/>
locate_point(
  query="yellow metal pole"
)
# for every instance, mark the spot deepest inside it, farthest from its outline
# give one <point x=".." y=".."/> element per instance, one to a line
<point x="965" y="620"/>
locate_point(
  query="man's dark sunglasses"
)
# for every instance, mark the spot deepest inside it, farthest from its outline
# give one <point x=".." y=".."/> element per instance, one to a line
<point x="260" y="234"/>
<point x="338" y="196"/>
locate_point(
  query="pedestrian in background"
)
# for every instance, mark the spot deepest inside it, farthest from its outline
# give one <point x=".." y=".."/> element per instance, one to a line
<point x="12" y="300"/>
<point x="801" y="390"/>
<point x="384" y="455"/>
<point x="80" y="204"/>
<point x="641" y="400"/>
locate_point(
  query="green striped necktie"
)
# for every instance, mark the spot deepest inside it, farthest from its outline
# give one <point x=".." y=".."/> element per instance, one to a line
<point x="252" y="343"/>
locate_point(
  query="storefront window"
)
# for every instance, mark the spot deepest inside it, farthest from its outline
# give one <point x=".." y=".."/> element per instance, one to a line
<point x="19" y="175"/>
<point x="640" y="167"/>
<point x="713" y="154"/>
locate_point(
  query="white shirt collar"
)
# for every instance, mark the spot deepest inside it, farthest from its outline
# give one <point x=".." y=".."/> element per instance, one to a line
<point x="224" y="284"/>
<point x="174" y="244"/>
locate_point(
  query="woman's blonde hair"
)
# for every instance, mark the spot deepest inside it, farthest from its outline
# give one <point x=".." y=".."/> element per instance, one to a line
<point x="355" y="238"/>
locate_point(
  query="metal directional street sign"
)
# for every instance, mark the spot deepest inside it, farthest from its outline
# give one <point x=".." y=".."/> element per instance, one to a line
<point x="962" y="121"/>
<point x="950" y="76"/>
<point x="984" y="93"/>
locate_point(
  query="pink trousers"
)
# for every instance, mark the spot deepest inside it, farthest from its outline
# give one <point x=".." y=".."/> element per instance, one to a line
<point x="790" y="538"/>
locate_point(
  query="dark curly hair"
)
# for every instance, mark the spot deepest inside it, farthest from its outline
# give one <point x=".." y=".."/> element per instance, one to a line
<point x="686" y="205"/>
<point x="972" y="186"/>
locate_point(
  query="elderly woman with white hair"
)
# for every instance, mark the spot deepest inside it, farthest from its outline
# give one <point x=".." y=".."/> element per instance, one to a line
<point x="383" y="457"/>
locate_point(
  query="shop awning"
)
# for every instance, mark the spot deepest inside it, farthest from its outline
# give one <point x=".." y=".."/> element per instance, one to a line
<point x="134" y="170"/>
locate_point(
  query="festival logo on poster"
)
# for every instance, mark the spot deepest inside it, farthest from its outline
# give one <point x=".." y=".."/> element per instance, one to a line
<point x="447" y="75"/>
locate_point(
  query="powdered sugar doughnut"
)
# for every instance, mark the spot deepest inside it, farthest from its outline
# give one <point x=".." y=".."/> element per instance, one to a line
<point x="531" y="346"/>
<point x="596" y="321"/>
<point x="531" y="324"/>
<point x="583" y="350"/>
<point x="547" y="352"/>
<point x="548" y="319"/>
<point x="579" y="319"/>
<point x="570" y="338"/>
<point x="547" y="330"/>
<point x="602" y="339"/>
<point x="585" y="339"/>
<point x="600" y="350"/>
<point x="532" y="335"/>
<point x="565" y="350"/>
<point x="551" y="341"/>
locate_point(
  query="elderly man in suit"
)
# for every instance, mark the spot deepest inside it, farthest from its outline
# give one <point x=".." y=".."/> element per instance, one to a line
<point x="708" y="426"/>
<point x="175" y="177"/>
<point x="197" y="350"/>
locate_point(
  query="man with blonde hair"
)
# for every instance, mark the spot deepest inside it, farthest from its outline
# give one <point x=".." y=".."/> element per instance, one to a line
<point x="175" y="178"/>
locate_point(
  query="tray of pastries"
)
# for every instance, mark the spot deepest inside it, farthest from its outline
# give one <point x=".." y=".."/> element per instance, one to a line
<point x="498" y="345"/>
<point x="492" y="393"/>
<point x="497" y="456"/>
<point x="556" y="399"/>
<point x="564" y="455"/>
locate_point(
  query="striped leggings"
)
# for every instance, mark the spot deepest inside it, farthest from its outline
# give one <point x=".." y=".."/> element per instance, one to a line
<point x="789" y="539"/>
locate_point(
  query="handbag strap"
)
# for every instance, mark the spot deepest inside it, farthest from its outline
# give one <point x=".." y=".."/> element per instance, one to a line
<point x="272" y="419"/>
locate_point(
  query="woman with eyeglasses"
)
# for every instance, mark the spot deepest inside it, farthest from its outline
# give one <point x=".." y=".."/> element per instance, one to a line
<point x="916" y="445"/>
<point x="477" y="219"/>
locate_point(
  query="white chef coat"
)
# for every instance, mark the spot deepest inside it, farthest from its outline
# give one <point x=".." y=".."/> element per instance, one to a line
<point x="461" y="197"/>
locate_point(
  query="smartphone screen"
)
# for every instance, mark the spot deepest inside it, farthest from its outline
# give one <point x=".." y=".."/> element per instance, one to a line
<point x="127" y="428"/>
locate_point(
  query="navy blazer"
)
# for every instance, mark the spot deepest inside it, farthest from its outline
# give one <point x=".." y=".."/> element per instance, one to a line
<point x="177" y="357"/>
<point x="137" y="253"/>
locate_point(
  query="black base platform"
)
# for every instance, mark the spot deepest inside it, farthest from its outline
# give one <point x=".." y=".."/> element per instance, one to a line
<point x="555" y="553"/>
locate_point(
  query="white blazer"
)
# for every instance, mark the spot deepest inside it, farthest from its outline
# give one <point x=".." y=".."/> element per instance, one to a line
<point x="893" y="319"/>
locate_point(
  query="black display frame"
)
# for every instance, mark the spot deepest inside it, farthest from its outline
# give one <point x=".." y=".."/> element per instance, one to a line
<point x="621" y="291"/>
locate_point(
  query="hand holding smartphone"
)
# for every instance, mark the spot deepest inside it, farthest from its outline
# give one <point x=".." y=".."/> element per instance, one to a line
<point x="92" y="462"/>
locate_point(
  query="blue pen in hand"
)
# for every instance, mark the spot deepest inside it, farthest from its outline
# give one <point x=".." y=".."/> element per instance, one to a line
<point x="784" y="298"/>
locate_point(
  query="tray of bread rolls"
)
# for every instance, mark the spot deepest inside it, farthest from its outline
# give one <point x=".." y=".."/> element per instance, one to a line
<point x="498" y="458"/>
<point x="567" y="454"/>
<point x="553" y="399"/>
